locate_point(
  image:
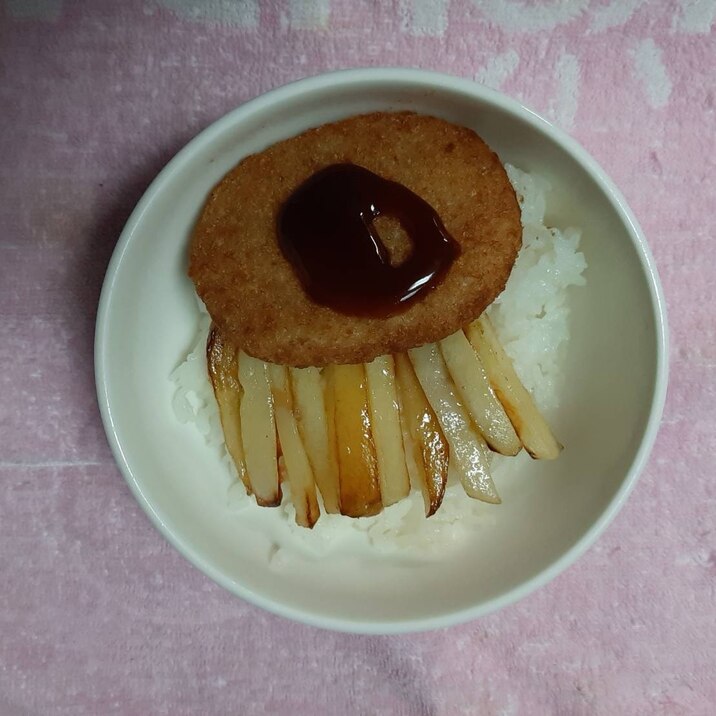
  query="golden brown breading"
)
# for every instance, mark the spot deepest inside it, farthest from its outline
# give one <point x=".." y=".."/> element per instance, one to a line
<point x="252" y="292"/>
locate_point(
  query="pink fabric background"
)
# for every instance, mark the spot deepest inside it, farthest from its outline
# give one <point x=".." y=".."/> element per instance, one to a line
<point x="98" y="614"/>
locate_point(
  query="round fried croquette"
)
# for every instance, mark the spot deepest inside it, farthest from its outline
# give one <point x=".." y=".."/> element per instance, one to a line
<point x="253" y="293"/>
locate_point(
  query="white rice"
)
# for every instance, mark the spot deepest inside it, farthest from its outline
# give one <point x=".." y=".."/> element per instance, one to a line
<point x="531" y="317"/>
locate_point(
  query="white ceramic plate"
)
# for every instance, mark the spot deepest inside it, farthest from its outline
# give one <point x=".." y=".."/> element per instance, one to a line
<point x="615" y="374"/>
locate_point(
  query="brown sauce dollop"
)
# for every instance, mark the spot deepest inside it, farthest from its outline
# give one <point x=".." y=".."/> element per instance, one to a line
<point x="327" y="233"/>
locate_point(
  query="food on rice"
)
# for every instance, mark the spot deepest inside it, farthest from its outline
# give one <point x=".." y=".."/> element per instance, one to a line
<point x="331" y="423"/>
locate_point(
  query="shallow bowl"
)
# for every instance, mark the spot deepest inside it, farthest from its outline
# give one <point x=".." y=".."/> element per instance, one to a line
<point x="614" y="376"/>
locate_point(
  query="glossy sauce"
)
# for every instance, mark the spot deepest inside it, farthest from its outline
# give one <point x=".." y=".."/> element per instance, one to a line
<point x="326" y="231"/>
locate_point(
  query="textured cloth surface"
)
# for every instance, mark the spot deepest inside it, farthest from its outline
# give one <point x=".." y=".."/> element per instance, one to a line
<point x="98" y="614"/>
